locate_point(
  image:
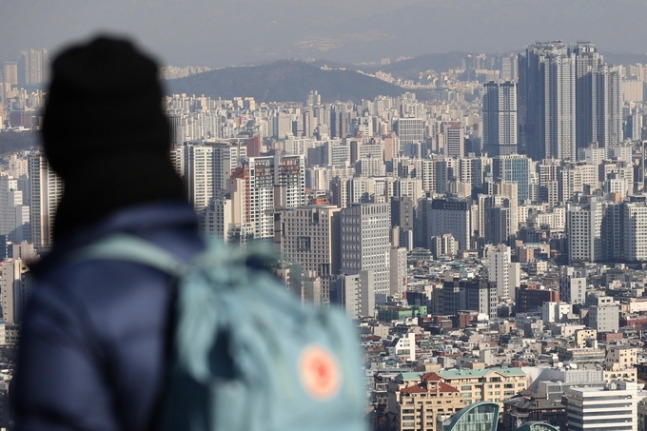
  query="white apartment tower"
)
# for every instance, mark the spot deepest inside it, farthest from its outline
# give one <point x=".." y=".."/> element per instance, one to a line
<point x="46" y="190"/>
<point x="198" y="174"/>
<point x="14" y="216"/>
<point x="501" y="269"/>
<point x="584" y="227"/>
<point x="258" y="176"/>
<point x="269" y="183"/>
<point x="635" y="231"/>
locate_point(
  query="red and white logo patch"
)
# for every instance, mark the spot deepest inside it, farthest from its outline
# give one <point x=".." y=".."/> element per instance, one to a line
<point x="319" y="371"/>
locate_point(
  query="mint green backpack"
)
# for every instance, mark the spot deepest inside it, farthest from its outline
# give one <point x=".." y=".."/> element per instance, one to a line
<point x="248" y="355"/>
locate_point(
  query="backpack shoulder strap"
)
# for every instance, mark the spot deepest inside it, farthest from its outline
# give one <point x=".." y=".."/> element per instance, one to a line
<point x="134" y="249"/>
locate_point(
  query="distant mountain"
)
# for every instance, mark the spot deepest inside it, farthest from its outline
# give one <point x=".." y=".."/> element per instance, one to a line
<point x="283" y="81"/>
<point x="411" y="67"/>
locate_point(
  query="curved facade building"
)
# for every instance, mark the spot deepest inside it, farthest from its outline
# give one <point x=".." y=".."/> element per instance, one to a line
<point x="481" y="416"/>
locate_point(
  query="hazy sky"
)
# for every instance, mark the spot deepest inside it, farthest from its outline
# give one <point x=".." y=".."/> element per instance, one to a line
<point x="221" y="33"/>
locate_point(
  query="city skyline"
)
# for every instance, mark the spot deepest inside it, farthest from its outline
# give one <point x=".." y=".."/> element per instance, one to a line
<point x="249" y="31"/>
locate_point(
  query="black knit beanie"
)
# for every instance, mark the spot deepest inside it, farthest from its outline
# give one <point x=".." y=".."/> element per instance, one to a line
<point x="104" y="132"/>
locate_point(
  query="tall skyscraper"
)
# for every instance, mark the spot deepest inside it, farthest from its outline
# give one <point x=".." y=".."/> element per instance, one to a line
<point x="568" y="100"/>
<point x="46" y="190"/>
<point x="365" y="243"/>
<point x="32" y="67"/>
<point x="599" y="99"/>
<point x="309" y="238"/>
<point x="500" y="118"/>
<point x="547" y="101"/>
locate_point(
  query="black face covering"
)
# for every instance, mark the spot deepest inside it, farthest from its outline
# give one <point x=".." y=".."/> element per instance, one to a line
<point x="105" y="134"/>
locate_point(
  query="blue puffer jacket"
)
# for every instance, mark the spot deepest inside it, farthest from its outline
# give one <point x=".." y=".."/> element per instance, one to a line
<point x="95" y="333"/>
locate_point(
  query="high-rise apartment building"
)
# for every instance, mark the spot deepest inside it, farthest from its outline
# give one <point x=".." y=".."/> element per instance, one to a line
<point x="598" y="99"/>
<point x="515" y="168"/>
<point x="501" y="269"/>
<point x="547" y="101"/>
<point x="289" y="181"/>
<point x="500" y="118"/>
<point x="472" y="170"/>
<point x="569" y="99"/>
<point x="207" y="168"/>
<point x="32" y="67"/>
<point x="14" y="215"/>
<point x="584" y="227"/>
<point x="634" y="225"/>
<point x="45" y="190"/>
<point x="270" y="183"/>
<point x="198" y="174"/>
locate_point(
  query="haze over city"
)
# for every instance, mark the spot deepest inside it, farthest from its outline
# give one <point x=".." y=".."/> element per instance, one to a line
<point x="218" y="33"/>
<point x="479" y="209"/>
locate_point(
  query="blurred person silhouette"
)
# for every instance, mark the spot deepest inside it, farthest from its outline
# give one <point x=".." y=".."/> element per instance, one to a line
<point x="95" y="333"/>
